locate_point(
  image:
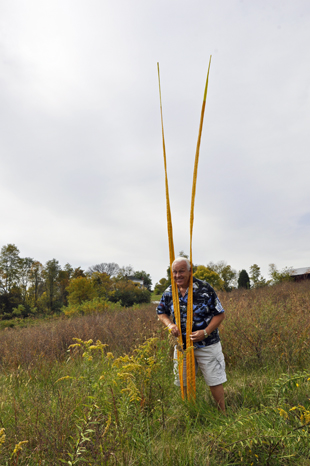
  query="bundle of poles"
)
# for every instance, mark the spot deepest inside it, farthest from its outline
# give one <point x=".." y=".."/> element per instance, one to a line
<point x="190" y="359"/>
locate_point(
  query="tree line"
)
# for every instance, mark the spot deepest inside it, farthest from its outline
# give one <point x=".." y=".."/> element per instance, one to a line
<point x="27" y="287"/>
<point x="222" y="277"/>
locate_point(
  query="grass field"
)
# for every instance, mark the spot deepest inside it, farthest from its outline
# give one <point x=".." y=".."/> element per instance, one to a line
<point x="91" y="404"/>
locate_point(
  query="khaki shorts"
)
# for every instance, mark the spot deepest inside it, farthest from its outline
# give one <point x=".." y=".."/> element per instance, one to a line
<point x="211" y="361"/>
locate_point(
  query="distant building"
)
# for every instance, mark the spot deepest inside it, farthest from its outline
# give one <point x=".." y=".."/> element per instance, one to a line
<point x="301" y="274"/>
<point x="137" y="281"/>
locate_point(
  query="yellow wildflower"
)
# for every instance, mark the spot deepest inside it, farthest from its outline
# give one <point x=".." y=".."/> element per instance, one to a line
<point x="18" y="447"/>
<point x="63" y="378"/>
<point x="282" y="413"/>
<point x="2" y="437"/>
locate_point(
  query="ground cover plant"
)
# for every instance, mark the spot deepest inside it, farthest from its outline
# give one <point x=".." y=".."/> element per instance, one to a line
<point x="98" y="389"/>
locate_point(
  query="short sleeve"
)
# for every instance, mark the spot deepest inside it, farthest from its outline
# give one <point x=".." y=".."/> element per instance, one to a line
<point x="163" y="306"/>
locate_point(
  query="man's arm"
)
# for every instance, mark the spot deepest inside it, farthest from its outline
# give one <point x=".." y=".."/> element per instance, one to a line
<point x="214" y="324"/>
<point x="165" y="319"/>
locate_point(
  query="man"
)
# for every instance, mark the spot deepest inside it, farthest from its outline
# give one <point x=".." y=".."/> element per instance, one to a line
<point x="207" y="316"/>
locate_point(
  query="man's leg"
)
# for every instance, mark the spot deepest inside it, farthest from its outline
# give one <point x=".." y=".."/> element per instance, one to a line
<point x="218" y="395"/>
<point x="212" y="364"/>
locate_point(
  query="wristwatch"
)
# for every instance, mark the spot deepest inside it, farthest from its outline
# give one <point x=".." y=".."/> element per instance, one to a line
<point x="205" y="333"/>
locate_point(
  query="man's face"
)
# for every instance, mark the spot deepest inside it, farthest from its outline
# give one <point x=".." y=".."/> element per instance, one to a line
<point x="181" y="274"/>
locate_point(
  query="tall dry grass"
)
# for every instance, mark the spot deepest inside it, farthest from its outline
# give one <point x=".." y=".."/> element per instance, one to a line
<point x="120" y="329"/>
<point x="264" y="326"/>
<point x="267" y="326"/>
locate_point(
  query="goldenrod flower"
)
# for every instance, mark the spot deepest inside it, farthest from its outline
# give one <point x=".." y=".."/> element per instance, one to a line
<point x="283" y="413"/>
<point x="18" y="447"/>
<point x="63" y="378"/>
<point x="2" y="437"/>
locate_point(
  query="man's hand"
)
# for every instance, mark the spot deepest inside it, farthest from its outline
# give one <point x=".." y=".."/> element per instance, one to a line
<point x="164" y="318"/>
<point x="214" y="323"/>
<point x="174" y="330"/>
<point x="197" y="336"/>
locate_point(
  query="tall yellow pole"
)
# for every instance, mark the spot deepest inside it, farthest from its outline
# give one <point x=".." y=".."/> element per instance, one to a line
<point x="190" y="359"/>
<point x="175" y="294"/>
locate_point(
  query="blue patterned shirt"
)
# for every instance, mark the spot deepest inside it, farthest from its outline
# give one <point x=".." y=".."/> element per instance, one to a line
<point x="205" y="306"/>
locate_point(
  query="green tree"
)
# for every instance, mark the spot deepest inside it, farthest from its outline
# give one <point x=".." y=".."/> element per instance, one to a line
<point x="64" y="277"/>
<point x="10" y="291"/>
<point x="244" y="279"/>
<point x="256" y="277"/>
<point x="226" y="272"/>
<point x="164" y="283"/>
<point x="208" y="275"/>
<point x="36" y="283"/>
<point x="9" y="267"/>
<point x="146" y="279"/>
<point x="25" y="266"/>
<point x="161" y="286"/>
<point x="128" y="294"/>
<point x="51" y="275"/>
<point x="280" y="276"/>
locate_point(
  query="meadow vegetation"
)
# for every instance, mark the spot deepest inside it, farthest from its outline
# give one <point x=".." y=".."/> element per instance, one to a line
<point x="98" y="389"/>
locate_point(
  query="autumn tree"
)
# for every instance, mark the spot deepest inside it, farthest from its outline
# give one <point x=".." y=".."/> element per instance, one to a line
<point x="208" y="275"/>
<point x="78" y="272"/>
<point x="81" y="289"/>
<point x="102" y="283"/>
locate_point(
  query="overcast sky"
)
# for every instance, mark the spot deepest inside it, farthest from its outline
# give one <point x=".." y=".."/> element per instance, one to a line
<point x="81" y="165"/>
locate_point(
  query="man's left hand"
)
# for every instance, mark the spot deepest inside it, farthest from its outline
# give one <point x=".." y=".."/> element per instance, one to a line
<point x="197" y="336"/>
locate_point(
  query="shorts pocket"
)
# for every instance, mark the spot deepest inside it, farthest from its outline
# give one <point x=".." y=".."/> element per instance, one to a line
<point x="219" y="366"/>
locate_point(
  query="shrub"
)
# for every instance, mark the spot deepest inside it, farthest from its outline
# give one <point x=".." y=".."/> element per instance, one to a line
<point x="127" y="294"/>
